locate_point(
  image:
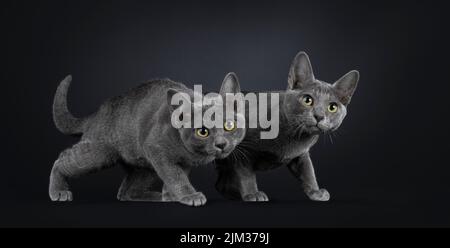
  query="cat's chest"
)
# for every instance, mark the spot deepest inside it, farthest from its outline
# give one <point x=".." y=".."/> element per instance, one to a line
<point x="280" y="152"/>
<point x="188" y="159"/>
<point x="295" y="148"/>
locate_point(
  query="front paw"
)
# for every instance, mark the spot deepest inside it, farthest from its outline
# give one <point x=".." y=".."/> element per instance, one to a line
<point x="256" y="197"/>
<point x="318" y="195"/>
<point x="61" y="195"/>
<point x="195" y="200"/>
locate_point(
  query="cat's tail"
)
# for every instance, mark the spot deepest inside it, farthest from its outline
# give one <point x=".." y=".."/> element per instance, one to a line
<point x="64" y="120"/>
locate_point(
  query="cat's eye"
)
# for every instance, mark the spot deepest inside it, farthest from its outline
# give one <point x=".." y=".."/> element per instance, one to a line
<point x="202" y="132"/>
<point x="307" y="100"/>
<point x="332" y="107"/>
<point x="229" y="125"/>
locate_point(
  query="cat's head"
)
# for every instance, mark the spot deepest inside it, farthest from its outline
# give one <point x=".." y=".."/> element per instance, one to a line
<point x="313" y="105"/>
<point x="213" y="142"/>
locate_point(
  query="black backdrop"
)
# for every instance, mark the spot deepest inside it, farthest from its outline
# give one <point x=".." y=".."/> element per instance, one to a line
<point x="385" y="168"/>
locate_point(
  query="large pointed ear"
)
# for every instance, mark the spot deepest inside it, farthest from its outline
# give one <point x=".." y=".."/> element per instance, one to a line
<point x="177" y="98"/>
<point x="346" y="86"/>
<point x="230" y="84"/>
<point x="301" y="72"/>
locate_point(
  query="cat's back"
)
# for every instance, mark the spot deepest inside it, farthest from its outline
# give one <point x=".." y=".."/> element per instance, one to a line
<point x="153" y="88"/>
<point x="121" y="114"/>
<point x="152" y="91"/>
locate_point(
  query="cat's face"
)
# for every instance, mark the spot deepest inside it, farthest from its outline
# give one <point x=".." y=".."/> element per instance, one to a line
<point x="315" y="106"/>
<point x="215" y="142"/>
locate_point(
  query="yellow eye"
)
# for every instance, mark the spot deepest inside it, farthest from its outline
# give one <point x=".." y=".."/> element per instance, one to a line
<point x="202" y="132"/>
<point x="307" y="100"/>
<point x="333" y="107"/>
<point x="229" y="125"/>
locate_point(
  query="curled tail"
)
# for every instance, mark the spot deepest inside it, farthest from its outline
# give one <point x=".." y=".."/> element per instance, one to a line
<point x="64" y="120"/>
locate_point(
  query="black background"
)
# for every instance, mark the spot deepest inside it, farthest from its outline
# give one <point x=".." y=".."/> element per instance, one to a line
<point x="385" y="168"/>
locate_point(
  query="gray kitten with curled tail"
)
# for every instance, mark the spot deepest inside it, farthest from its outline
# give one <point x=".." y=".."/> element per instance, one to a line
<point x="308" y="108"/>
<point x="135" y="131"/>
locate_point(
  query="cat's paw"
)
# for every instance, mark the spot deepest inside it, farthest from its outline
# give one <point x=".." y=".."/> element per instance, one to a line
<point x="61" y="195"/>
<point x="256" y="197"/>
<point x="197" y="199"/>
<point x="318" y="195"/>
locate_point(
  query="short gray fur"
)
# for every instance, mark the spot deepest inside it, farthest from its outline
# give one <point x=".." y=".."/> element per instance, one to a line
<point x="135" y="131"/>
<point x="300" y="127"/>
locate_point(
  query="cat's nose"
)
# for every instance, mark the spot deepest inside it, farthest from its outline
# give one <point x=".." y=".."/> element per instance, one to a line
<point x="220" y="143"/>
<point x="318" y="117"/>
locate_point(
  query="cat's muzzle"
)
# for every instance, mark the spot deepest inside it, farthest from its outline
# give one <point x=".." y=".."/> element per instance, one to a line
<point x="221" y="154"/>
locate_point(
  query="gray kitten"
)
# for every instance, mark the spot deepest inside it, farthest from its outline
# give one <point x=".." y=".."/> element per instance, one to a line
<point x="135" y="130"/>
<point x="308" y="108"/>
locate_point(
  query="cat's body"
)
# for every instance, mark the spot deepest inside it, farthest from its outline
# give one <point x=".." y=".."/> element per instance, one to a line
<point x="300" y="127"/>
<point x="134" y="130"/>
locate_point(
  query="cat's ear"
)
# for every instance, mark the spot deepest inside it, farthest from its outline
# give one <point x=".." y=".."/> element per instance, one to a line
<point x="177" y="97"/>
<point x="301" y="72"/>
<point x="346" y="86"/>
<point x="230" y="84"/>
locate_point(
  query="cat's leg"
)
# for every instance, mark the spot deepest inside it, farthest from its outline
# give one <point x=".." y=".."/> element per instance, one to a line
<point x="192" y="199"/>
<point x="227" y="183"/>
<point x="175" y="179"/>
<point x="302" y="168"/>
<point x="167" y="196"/>
<point x="238" y="181"/>
<point x="140" y="184"/>
<point x="83" y="158"/>
<point x="248" y="187"/>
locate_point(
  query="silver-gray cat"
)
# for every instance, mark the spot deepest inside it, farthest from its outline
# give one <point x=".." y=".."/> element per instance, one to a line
<point x="135" y="130"/>
<point x="308" y="108"/>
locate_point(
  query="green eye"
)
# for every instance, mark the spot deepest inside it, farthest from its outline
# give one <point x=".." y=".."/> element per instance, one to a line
<point x="202" y="132"/>
<point x="229" y="125"/>
<point x="332" y="107"/>
<point x="307" y="100"/>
